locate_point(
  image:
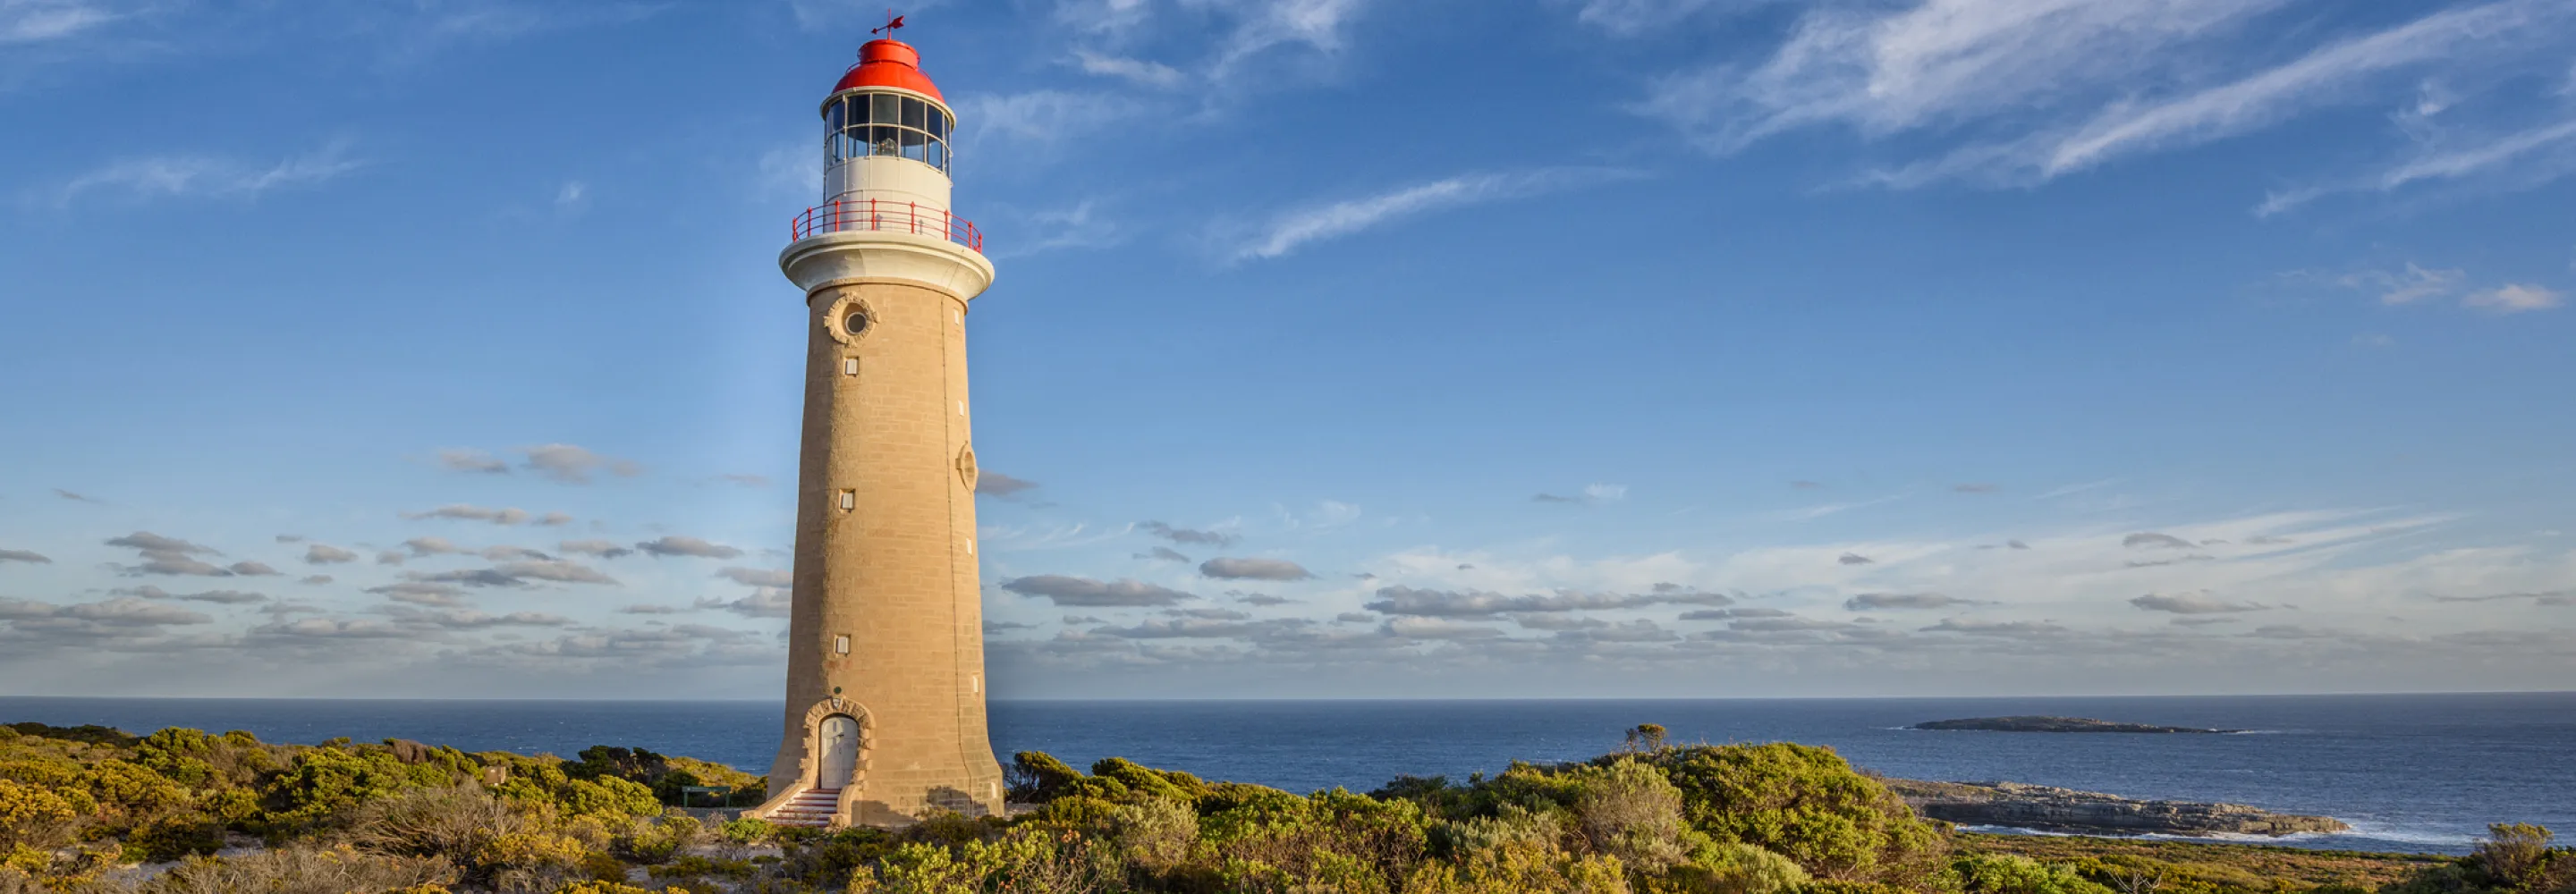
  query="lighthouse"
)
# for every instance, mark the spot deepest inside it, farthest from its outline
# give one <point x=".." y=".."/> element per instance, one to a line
<point x="885" y="653"/>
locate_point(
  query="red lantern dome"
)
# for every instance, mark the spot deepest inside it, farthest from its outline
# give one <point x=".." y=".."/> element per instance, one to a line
<point x="889" y="63"/>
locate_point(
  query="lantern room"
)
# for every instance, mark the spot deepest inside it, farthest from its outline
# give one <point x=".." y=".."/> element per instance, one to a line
<point x="886" y="131"/>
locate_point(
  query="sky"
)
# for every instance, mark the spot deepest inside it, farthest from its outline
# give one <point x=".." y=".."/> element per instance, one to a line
<point x="1339" y="349"/>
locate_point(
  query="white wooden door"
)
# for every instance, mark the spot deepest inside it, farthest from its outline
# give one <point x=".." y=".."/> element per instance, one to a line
<point x="840" y="736"/>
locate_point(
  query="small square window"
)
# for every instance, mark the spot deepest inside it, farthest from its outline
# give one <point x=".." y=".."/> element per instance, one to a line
<point x="849" y="366"/>
<point x="841" y="644"/>
<point x="849" y="500"/>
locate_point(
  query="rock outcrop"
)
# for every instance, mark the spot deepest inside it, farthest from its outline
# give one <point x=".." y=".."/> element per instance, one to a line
<point x="2050" y="809"/>
<point x="2058" y="725"/>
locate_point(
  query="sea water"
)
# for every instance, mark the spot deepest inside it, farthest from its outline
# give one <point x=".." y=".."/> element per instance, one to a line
<point x="2409" y="772"/>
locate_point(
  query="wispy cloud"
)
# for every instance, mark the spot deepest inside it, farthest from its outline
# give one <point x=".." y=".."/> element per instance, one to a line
<point x="1139" y="71"/>
<point x="1630" y="18"/>
<point x="1294" y="229"/>
<point x="2052" y="87"/>
<point x="2267" y="96"/>
<point x="2416" y="284"/>
<point x="188" y="176"/>
<point x="1593" y="495"/>
<point x="2515" y="298"/>
<point x="1316" y="24"/>
<point x="2453" y="163"/>
<point x="1037" y="116"/>
<point x="37" y="21"/>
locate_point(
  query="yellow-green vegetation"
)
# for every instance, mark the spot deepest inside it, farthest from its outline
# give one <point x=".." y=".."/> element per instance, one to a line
<point x="2182" y="866"/>
<point x="97" y="811"/>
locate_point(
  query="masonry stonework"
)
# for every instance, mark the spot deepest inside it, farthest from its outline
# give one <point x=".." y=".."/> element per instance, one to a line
<point x="886" y="622"/>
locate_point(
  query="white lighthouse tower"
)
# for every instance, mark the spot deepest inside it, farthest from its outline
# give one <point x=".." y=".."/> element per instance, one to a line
<point x="885" y="656"/>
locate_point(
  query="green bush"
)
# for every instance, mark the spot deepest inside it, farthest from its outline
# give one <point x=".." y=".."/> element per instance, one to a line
<point x="2008" y="874"/>
<point x="1807" y="804"/>
<point x="1739" y="868"/>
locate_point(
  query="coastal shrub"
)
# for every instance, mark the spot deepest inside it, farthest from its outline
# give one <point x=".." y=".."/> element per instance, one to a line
<point x="301" y="870"/>
<point x="1808" y="804"/>
<point x="1739" y="868"/>
<point x="133" y="791"/>
<point x="829" y="858"/>
<point x="1019" y="863"/>
<point x="87" y="733"/>
<point x="1510" y="824"/>
<point x="607" y="797"/>
<point x="1629" y="810"/>
<point x="1036" y="777"/>
<point x="694" y="868"/>
<point x="1833" y="886"/>
<point x="596" y="886"/>
<point x="746" y="832"/>
<point x="1337" y="839"/>
<point x="2011" y="874"/>
<point x="34" y="816"/>
<point x="529" y="861"/>
<point x="320" y="782"/>
<point x="175" y="838"/>
<point x="2511" y="856"/>
<point x="451" y="822"/>
<point x="1149" y="782"/>
<point x="1155" y="835"/>
<point x="656" y="842"/>
<point x="1521" y="867"/>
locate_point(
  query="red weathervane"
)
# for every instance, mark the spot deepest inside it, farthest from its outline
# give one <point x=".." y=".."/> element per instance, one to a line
<point x="892" y="22"/>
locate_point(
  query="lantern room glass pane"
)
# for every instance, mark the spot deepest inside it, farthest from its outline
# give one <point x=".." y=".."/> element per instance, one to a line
<point x="916" y="113"/>
<point x="939" y="154"/>
<point x="914" y="145"/>
<point x="884" y="108"/>
<point x="938" y="124"/>
<point x="832" y="117"/>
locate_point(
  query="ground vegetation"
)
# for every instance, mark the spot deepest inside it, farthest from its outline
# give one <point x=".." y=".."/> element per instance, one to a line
<point x="90" y="810"/>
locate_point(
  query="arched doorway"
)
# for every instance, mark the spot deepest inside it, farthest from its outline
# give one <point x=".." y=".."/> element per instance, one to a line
<point x="839" y="737"/>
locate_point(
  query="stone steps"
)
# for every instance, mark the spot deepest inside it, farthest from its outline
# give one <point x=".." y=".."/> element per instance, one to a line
<point x="811" y="808"/>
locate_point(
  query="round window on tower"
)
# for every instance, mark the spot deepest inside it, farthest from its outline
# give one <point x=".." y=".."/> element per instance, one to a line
<point x="848" y="319"/>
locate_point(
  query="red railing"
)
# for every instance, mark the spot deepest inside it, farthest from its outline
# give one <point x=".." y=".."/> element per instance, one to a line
<point x="897" y="217"/>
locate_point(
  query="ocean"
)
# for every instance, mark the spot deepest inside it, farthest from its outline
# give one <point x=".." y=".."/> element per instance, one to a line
<point x="2420" y="773"/>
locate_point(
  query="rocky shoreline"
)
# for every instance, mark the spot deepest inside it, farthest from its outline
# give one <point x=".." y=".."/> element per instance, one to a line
<point x="2050" y="809"/>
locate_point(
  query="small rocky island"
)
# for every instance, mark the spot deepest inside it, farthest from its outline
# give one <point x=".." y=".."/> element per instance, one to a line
<point x="2049" y="809"/>
<point x="2032" y="724"/>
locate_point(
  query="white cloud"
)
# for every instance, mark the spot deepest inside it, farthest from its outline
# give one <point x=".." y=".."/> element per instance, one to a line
<point x="1139" y="71"/>
<point x="1080" y="226"/>
<point x="2515" y="298"/>
<point x="1291" y="230"/>
<point x="2270" y="95"/>
<point x="2050" y="87"/>
<point x="1037" y="116"/>
<point x="2455" y="163"/>
<point x="1631" y="18"/>
<point x="2408" y="286"/>
<point x="36" y="21"/>
<point x="573" y="465"/>
<point x="179" y="176"/>
<point x="1317" y="24"/>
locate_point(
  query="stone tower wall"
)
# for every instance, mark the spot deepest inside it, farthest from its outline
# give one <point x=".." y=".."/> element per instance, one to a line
<point x="896" y="573"/>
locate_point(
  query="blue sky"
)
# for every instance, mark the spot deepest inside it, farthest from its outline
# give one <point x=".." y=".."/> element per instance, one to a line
<point x="1341" y="348"/>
